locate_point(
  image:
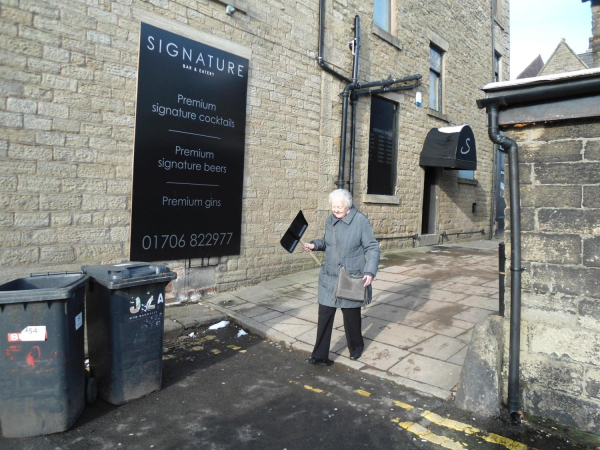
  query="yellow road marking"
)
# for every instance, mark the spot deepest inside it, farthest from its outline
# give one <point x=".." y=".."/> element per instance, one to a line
<point x="449" y="423"/>
<point x="216" y="351"/>
<point x="432" y="417"/>
<point x="501" y="440"/>
<point x="233" y="347"/>
<point x="243" y="351"/>
<point x="310" y="388"/>
<point x="424" y="433"/>
<point x="405" y="406"/>
<point x="469" y="429"/>
<point x="197" y="348"/>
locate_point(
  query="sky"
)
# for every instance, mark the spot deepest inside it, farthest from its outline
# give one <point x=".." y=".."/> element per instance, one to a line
<point x="537" y="26"/>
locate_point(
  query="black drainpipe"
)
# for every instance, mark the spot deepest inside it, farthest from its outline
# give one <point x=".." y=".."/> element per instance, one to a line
<point x="345" y="95"/>
<point x="351" y="89"/>
<point x="495" y="178"/>
<point x="515" y="256"/>
<point x="320" y="59"/>
<point x="352" y="143"/>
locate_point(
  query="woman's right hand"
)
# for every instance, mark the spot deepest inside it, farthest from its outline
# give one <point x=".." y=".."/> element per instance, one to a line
<point x="309" y="247"/>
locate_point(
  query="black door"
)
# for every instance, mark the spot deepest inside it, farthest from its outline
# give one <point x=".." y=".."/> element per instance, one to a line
<point x="429" y="202"/>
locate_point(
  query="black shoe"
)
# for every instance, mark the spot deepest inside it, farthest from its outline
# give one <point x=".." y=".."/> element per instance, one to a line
<point x="355" y="357"/>
<point x="319" y="362"/>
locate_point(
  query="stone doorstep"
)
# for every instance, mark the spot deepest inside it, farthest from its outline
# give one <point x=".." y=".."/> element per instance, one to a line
<point x="267" y="332"/>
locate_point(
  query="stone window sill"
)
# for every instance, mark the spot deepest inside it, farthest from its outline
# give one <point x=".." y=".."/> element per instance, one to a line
<point x="467" y="181"/>
<point x="387" y="37"/>
<point x="438" y="115"/>
<point x="239" y="5"/>
<point x="384" y="199"/>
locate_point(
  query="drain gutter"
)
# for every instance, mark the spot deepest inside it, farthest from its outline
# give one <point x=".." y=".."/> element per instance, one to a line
<point x="515" y="252"/>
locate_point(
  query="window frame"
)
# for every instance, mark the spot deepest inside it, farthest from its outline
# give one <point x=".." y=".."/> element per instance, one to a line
<point x="377" y="4"/>
<point x="438" y="75"/>
<point x="391" y="196"/>
<point x="498" y="66"/>
<point x="466" y="174"/>
<point x="497" y="10"/>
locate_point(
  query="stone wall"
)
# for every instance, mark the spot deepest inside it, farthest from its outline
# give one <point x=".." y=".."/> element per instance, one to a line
<point x="67" y="106"/>
<point x="560" y="330"/>
<point x="562" y="60"/>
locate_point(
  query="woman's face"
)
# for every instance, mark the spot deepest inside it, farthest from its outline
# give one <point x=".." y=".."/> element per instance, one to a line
<point x="339" y="209"/>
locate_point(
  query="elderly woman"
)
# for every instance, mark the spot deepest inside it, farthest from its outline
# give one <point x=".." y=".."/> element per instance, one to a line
<point x="349" y="242"/>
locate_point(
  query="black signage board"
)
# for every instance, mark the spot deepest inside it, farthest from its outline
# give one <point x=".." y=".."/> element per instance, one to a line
<point x="382" y="171"/>
<point x="451" y="148"/>
<point x="189" y="149"/>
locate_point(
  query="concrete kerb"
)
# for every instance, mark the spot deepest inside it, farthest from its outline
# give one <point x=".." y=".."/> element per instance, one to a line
<point x="179" y="319"/>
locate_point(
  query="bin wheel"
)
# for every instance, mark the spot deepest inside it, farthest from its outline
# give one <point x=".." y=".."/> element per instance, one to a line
<point x="91" y="389"/>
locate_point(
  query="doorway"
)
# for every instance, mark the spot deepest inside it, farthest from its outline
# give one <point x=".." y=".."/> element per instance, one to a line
<point x="429" y="201"/>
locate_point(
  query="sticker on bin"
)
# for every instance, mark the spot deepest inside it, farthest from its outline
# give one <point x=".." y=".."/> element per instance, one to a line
<point x="29" y="334"/>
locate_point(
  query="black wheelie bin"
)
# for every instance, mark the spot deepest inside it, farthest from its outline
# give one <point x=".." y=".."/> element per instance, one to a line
<point x="42" y="374"/>
<point x="125" y="324"/>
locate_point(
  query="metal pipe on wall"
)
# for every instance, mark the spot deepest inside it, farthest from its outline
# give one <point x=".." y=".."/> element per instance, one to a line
<point x="515" y="257"/>
<point x="495" y="177"/>
<point x="352" y="88"/>
<point x="353" y="143"/>
<point x="354" y="103"/>
<point x="392" y="88"/>
<point x="345" y="96"/>
<point x="501" y="276"/>
<point x="320" y="59"/>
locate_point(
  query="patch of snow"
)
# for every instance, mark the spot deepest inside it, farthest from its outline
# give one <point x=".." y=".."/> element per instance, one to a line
<point x="221" y="324"/>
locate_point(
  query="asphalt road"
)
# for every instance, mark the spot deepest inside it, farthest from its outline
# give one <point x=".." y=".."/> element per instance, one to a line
<point x="221" y="391"/>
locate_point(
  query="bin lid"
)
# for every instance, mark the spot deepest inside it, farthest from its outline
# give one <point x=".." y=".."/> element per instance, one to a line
<point x="129" y="273"/>
<point x="41" y="287"/>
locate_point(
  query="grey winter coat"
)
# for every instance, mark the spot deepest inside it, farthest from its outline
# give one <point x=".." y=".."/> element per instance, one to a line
<point x="358" y="251"/>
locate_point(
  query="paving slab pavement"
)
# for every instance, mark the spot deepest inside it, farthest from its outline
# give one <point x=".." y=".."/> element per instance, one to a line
<point x="417" y="330"/>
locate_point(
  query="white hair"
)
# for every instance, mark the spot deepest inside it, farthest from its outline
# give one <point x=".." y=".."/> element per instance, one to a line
<point x="341" y="194"/>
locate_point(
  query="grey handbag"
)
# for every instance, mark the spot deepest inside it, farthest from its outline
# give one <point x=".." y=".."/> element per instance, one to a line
<point x="349" y="287"/>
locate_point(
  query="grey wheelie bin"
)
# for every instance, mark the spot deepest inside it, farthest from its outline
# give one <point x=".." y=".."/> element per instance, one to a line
<point x="42" y="370"/>
<point x="125" y="324"/>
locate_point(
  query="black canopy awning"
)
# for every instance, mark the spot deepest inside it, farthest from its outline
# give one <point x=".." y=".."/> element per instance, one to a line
<point x="451" y="148"/>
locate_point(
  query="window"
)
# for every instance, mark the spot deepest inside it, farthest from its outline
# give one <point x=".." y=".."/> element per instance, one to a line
<point x="497" y="9"/>
<point x="382" y="14"/>
<point x="497" y="66"/>
<point x="382" y="147"/>
<point x="436" y="57"/>
<point x="466" y="174"/>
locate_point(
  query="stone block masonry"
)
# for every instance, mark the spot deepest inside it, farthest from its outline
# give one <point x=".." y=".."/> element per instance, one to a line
<point x="561" y="288"/>
<point x="68" y="76"/>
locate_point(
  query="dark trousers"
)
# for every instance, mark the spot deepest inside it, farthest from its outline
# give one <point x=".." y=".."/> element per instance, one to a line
<point x="352" y="324"/>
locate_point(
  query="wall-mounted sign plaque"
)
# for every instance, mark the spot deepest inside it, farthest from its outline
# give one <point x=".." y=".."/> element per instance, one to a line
<point x="189" y="149"/>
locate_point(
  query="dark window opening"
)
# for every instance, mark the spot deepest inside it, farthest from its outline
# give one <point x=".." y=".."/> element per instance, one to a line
<point x="382" y="147"/>
<point x="436" y="56"/>
<point x="497" y="61"/>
